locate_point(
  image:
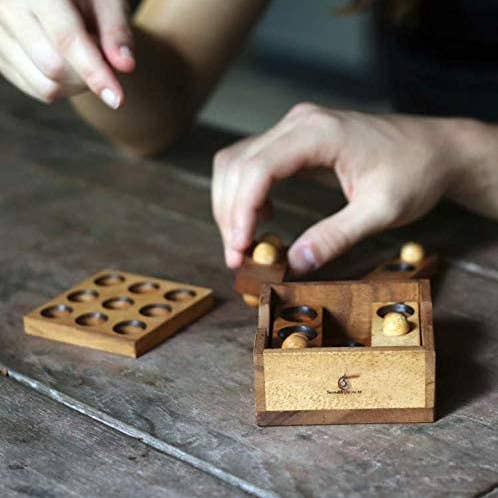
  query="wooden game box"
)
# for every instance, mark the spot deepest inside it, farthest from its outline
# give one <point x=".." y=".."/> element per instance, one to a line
<point x="352" y="373"/>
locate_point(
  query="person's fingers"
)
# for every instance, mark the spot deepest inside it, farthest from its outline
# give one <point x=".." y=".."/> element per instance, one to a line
<point x="299" y="148"/>
<point x="10" y="74"/>
<point x="221" y="197"/>
<point x="68" y="34"/>
<point x="27" y="31"/>
<point x="332" y="236"/>
<point x="115" y="34"/>
<point x="16" y="60"/>
<point x="229" y="167"/>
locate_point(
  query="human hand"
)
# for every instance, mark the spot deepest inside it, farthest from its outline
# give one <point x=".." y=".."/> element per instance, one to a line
<point x="392" y="169"/>
<point x="50" y="48"/>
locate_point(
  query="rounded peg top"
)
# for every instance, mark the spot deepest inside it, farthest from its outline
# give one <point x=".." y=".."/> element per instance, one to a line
<point x="250" y="300"/>
<point x="412" y="253"/>
<point x="297" y="340"/>
<point x="272" y="239"/>
<point x="395" y="324"/>
<point x="265" y="254"/>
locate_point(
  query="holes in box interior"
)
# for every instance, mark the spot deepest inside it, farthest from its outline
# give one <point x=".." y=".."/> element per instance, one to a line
<point x="179" y="294"/>
<point x="83" y="296"/>
<point x="299" y="314"/>
<point x="109" y="279"/>
<point x="118" y="303"/>
<point x="57" y="311"/>
<point x="349" y="343"/>
<point x="129" y="327"/>
<point x="91" y="319"/>
<point x="396" y="308"/>
<point x="395" y="267"/>
<point x="156" y="310"/>
<point x="286" y="331"/>
<point x="144" y="287"/>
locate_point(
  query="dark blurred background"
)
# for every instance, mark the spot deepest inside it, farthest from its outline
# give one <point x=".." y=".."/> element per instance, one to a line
<point x="300" y="51"/>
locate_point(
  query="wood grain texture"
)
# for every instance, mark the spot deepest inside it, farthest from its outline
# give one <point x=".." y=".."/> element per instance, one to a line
<point x="153" y="217"/>
<point x="372" y="379"/>
<point x="308" y="379"/>
<point x="250" y="276"/>
<point x="47" y="450"/>
<point x="119" y="312"/>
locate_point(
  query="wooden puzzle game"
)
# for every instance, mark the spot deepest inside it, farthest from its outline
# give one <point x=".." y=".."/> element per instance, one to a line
<point x="324" y="352"/>
<point x="343" y="352"/>
<point x="363" y="352"/>
<point x="119" y="312"/>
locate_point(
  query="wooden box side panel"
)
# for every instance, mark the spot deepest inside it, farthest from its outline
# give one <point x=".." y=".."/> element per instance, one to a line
<point x="60" y="332"/>
<point x="344" y="380"/>
<point x="372" y="416"/>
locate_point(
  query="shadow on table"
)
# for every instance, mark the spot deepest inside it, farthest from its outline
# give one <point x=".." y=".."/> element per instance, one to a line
<point x="459" y="377"/>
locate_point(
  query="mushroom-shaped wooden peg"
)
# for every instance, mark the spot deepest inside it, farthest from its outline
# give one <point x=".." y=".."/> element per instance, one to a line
<point x="273" y="239"/>
<point x="297" y="340"/>
<point x="265" y="254"/>
<point x="250" y="300"/>
<point x="395" y="324"/>
<point x="412" y="253"/>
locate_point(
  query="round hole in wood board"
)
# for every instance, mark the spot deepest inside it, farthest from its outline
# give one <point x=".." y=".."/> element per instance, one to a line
<point x="403" y="308"/>
<point x="180" y="294"/>
<point x="349" y="344"/>
<point x="109" y="279"/>
<point x="56" y="311"/>
<point x="156" y="310"/>
<point x="395" y="267"/>
<point x="299" y="314"/>
<point x="91" y="319"/>
<point x="129" y="327"/>
<point x="83" y="296"/>
<point x="118" y="303"/>
<point x="284" y="332"/>
<point x="144" y="287"/>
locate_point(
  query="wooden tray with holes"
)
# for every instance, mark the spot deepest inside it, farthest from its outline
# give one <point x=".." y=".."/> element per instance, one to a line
<point x="353" y="374"/>
<point x="119" y="312"/>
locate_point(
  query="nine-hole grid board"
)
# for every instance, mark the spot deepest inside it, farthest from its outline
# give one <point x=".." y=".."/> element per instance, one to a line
<point x="119" y="312"/>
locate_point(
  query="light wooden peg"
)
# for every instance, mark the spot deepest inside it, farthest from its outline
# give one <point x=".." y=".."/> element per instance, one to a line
<point x="297" y="340"/>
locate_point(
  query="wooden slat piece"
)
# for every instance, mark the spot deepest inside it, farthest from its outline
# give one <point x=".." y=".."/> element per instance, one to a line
<point x="412" y="338"/>
<point x="300" y="318"/>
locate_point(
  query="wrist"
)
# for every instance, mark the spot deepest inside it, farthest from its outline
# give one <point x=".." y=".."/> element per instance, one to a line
<point x="472" y="149"/>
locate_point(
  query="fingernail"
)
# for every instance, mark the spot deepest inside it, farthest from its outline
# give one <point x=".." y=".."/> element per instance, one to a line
<point x="304" y="260"/>
<point x="110" y="98"/>
<point x="126" y="52"/>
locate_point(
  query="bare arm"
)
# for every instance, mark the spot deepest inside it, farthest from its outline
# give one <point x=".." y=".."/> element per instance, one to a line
<point x="182" y="48"/>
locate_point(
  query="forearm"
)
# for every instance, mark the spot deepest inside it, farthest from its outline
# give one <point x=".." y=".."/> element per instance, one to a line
<point x="475" y="162"/>
<point x="159" y="100"/>
<point x="181" y="50"/>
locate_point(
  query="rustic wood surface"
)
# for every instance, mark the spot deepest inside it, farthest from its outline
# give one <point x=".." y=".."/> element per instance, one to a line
<point x="48" y="450"/>
<point x="70" y="206"/>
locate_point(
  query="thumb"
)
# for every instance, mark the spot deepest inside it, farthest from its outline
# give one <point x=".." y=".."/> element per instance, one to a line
<point x="334" y="235"/>
<point x="115" y="34"/>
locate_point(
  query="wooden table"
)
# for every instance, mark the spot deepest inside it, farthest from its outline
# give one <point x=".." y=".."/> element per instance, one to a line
<point x="179" y="421"/>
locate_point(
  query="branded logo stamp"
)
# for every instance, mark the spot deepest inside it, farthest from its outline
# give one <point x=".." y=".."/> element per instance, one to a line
<point x="344" y="385"/>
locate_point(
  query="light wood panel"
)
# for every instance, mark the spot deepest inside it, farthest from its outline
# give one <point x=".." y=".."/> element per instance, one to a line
<point x="119" y="312"/>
